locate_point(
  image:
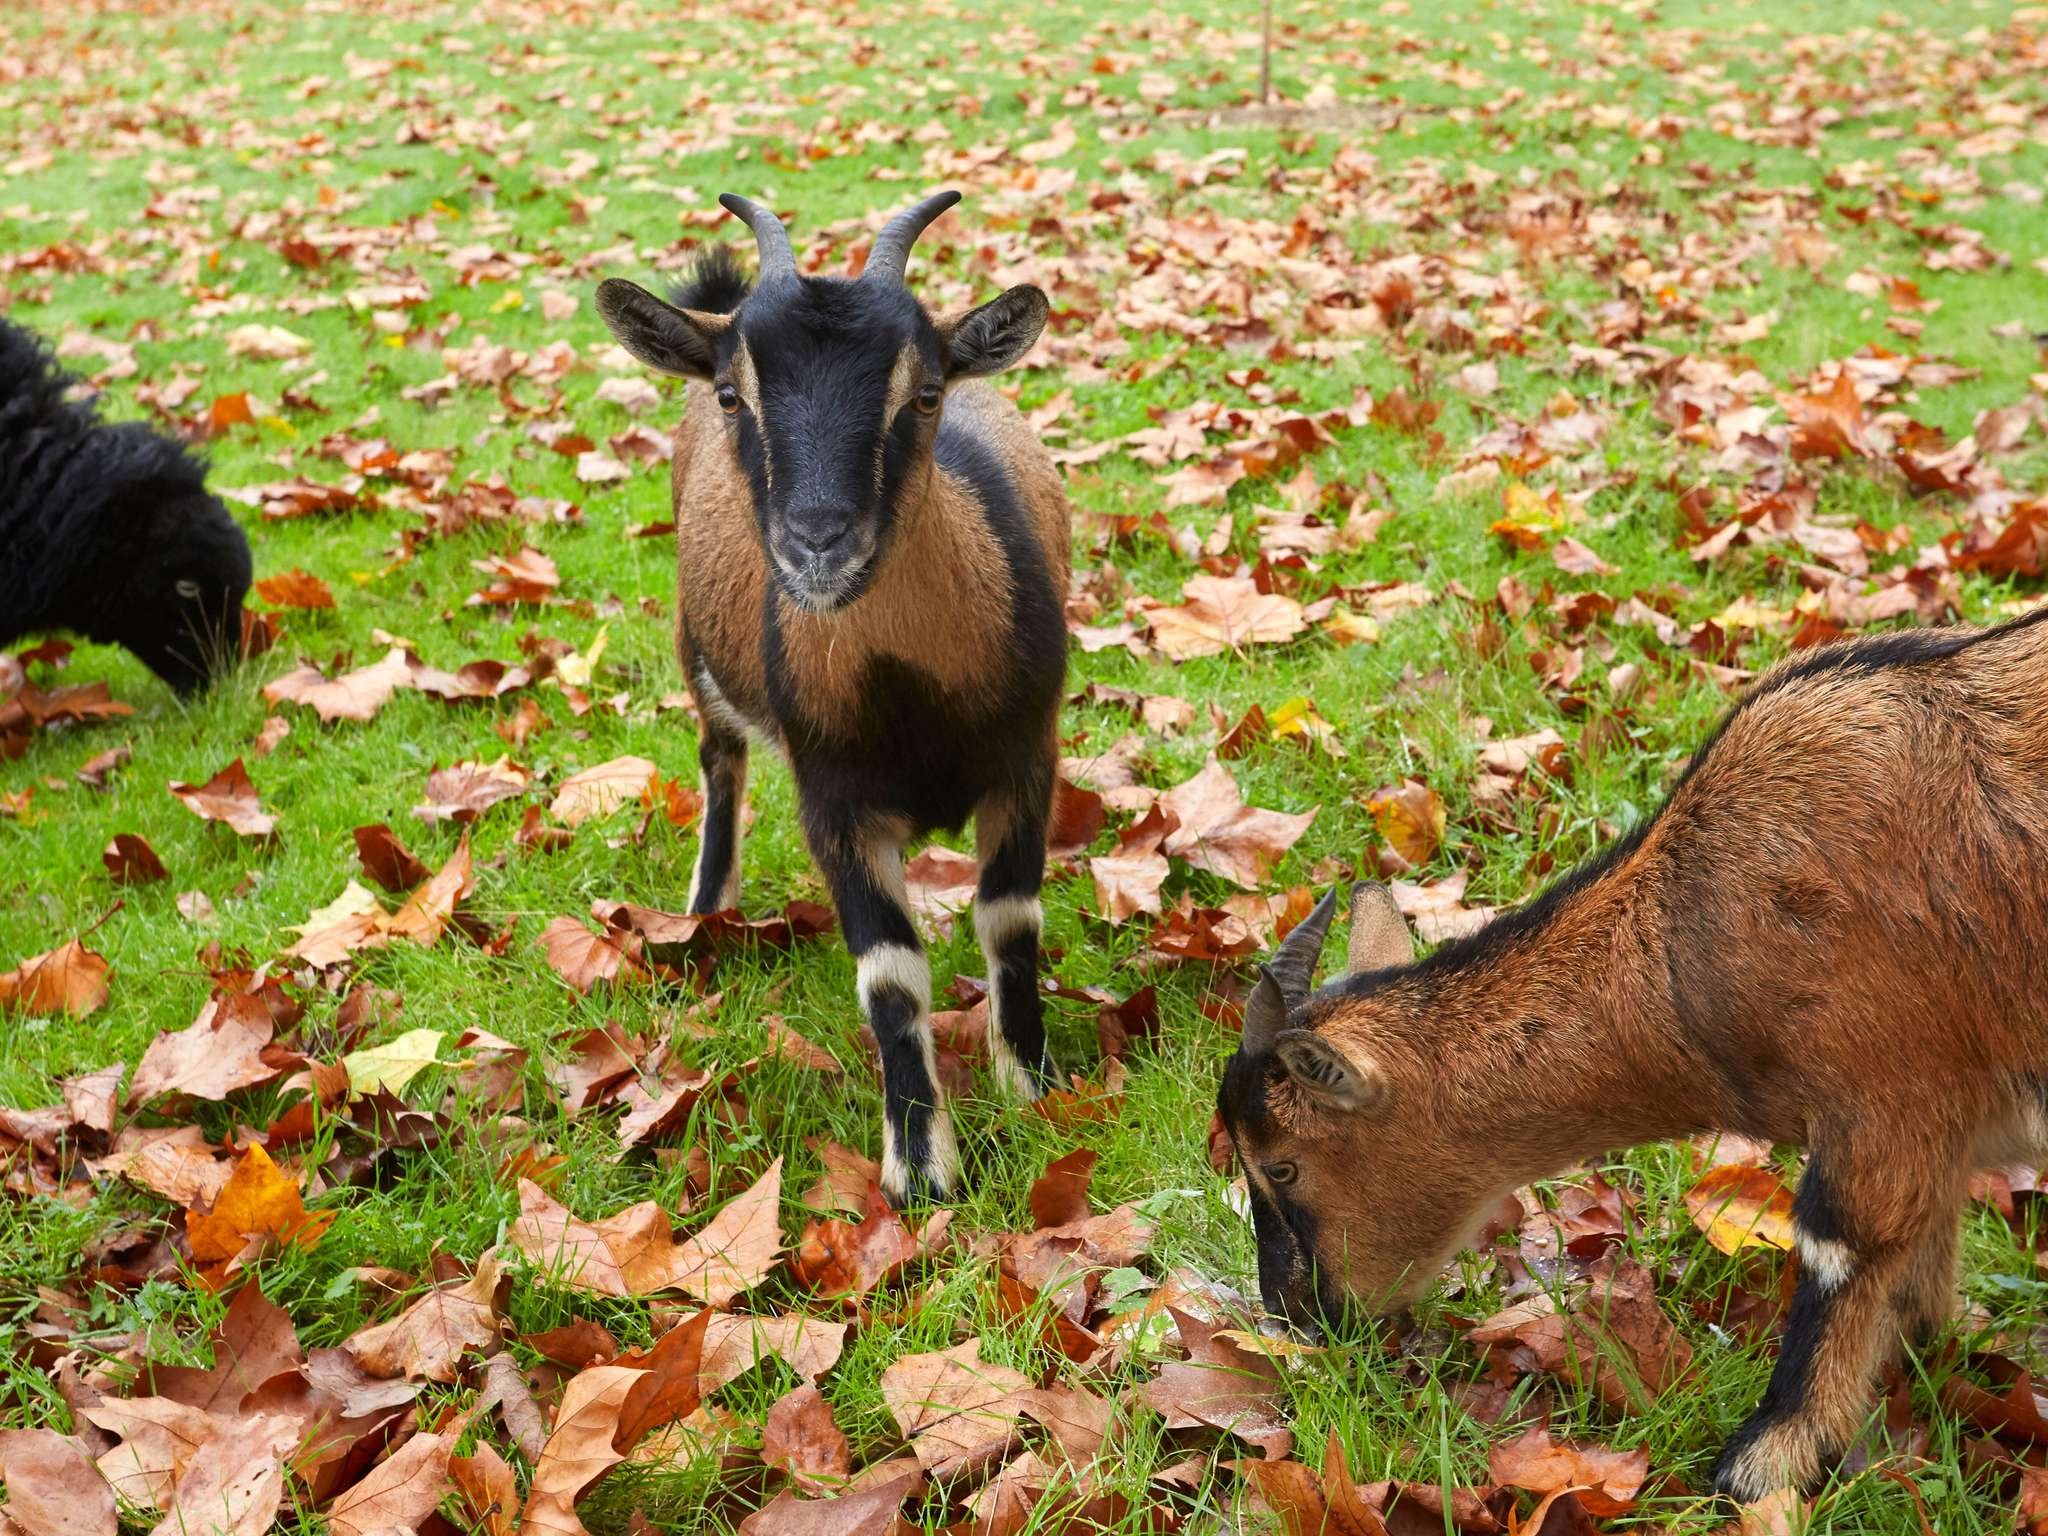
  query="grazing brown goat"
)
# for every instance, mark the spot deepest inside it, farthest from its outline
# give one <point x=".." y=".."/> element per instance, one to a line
<point x="1834" y="932"/>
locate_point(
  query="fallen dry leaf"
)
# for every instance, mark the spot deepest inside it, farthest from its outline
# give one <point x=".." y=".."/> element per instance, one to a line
<point x="356" y="695"/>
<point x="800" y="1437"/>
<point x="596" y="792"/>
<point x="131" y="861"/>
<point x="399" y="1493"/>
<point x="228" y="797"/>
<point x="1219" y="833"/>
<point x="428" y="1339"/>
<point x="958" y="1411"/>
<point x="70" y="979"/>
<point x="259" y="1200"/>
<point x="53" y="1488"/>
<point x="1605" y="1481"/>
<point x="1739" y="1206"/>
<point x="1223" y="613"/>
<point x="634" y="1252"/>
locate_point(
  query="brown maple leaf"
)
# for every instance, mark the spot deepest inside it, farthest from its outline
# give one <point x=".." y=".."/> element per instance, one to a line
<point x="227" y="797"/>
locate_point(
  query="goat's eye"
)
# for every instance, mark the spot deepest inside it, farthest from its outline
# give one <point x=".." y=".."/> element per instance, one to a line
<point x="728" y="399"/>
<point x="928" y="399"/>
<point x="1281" y="1173"/>
<point x="186" y="588"/>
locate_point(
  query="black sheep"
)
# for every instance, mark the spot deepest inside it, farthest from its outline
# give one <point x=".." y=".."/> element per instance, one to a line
<point x="108" y="530"/>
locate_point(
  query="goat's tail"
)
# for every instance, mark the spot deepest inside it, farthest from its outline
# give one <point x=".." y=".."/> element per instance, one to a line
<point x="715" y="282"/>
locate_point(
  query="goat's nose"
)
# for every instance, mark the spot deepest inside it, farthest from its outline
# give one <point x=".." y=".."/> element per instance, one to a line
<point x="815" y="537"/>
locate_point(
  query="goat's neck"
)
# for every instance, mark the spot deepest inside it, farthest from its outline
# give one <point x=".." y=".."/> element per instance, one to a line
<point x="1563" y="1044"/>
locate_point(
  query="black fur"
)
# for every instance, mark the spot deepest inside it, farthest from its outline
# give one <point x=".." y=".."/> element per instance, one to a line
<point x="715" y="283"/>
<point x="100" y="523"/>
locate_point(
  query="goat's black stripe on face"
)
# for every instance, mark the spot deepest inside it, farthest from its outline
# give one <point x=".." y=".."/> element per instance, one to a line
<point x="1283" y="1228"/>
<point x="829" y="432"/>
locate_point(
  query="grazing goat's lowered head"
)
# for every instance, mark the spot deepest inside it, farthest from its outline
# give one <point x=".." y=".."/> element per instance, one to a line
<point x="813" y="374"/>
<point x="1834" y="933"/>
<point x="107" y="529"/>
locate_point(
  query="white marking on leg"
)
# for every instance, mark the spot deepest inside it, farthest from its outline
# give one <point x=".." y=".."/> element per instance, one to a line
<point x="895" y="1177"/>
<point x="1829" y="1263"/>
<point x="996" y="922"/>
<point x="999" y="919"/>
<point x="942" y="1158"/>
<point x="904" y="968"/>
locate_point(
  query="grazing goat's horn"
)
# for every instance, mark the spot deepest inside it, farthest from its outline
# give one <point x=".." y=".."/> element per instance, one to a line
<point x="770" y="238"/>
<point x="1284" y="980"/>
<point x="891" y="252"/>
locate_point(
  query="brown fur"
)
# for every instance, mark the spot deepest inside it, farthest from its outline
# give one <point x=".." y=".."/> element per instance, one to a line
<point x="937" y="603"/>
<point x="1835" y="934"/>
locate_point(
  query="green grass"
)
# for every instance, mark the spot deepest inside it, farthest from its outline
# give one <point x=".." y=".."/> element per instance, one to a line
<point x="168" y="153"/>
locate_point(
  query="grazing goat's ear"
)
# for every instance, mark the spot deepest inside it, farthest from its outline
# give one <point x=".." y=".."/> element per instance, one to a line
<point x="682" y="342"/>
<point x="1379" y="934"/>
<point x="989" y="339"/>
<point x="1327" y="1075"/>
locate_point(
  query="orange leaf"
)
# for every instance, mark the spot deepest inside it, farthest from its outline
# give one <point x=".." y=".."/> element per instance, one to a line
<point x="258" y="1200"/>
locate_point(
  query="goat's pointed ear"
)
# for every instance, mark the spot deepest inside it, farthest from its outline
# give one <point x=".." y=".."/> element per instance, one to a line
<point x="1379" y="934"/>
<point x="989" y="339"/>
<point x="1327" y="1075"/>
<point x="682" y="342"/>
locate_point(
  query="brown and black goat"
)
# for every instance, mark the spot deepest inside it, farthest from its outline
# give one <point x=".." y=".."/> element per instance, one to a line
<point x="1834" y="933"/>
<point x="872" y="557"/>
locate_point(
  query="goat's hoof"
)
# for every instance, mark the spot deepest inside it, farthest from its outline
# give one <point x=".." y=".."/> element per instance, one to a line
<point x="1753" y="1468"/>
<point x="931" y="1179"/>
<point x="1029" y="1083"/>
<point x="910" y="1190"/>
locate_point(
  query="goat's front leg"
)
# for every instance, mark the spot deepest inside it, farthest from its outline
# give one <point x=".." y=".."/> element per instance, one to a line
<point x="863" y="865"/>
<point x="1009" y="833"/>
<point x="722" y="760"/>
<point x="1861" y="1249"/>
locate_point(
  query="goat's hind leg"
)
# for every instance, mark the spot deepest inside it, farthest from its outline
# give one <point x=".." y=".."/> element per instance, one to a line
<point x="864" y="867"/>
<point x="1863" y="1274"/>
<point x="1009" y="829"/>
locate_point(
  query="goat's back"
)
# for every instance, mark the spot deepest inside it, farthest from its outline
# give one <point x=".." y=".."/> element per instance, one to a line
<point x="1854" y="875"/>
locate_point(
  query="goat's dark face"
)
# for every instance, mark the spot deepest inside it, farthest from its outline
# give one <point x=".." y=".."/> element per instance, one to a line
<point x="1359" y="1191"/>
<point x="177" y="605"/>
<point x="831" y="391"/>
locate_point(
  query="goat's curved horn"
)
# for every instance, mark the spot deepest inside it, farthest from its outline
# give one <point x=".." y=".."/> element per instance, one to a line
<point x="891" y="251"/>
<point x="1284" y="980"/>
<point x="770" y="238"/>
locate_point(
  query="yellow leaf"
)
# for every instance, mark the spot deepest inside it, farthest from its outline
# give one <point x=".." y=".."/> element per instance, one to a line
<point x="576" y="671"/>
<point x="1353" y="628"/>
<point x="1740" y="1207"/>
<point x="395" y="1063"/>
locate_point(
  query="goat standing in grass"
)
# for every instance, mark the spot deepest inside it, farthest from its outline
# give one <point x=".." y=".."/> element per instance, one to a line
<point x="872" y="552"/>
<point x="1834" y="933"/>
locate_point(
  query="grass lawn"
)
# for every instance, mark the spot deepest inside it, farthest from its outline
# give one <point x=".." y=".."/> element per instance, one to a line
<point x="1564" y="290"/>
